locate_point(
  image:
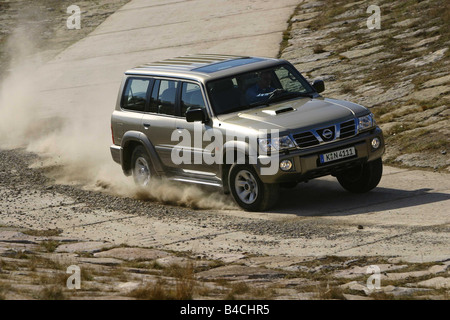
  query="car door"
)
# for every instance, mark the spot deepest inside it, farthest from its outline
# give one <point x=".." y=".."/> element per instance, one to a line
<point x="197" y="148"/>
<point x="159" y="122"/>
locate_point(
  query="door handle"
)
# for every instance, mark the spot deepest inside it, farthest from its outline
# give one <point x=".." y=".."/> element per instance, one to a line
<point x="146" y="126"/>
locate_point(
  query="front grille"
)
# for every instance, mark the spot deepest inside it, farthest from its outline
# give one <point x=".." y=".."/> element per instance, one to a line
<point x="348" y="129"/>
<point x="305" y="139"/>
<point x="311" y="138"/>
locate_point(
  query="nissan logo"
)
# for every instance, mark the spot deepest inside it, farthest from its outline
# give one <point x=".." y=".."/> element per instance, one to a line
<point x="327" y="134"/>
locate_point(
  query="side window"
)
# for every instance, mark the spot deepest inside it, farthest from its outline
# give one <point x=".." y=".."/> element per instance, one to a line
<point x="191" y="97"/>
<point x="135" y="94"/>
<point x="166" y="97"/>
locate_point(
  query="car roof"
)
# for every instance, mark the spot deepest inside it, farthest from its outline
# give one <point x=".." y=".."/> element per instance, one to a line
<point x="203" y="67"/>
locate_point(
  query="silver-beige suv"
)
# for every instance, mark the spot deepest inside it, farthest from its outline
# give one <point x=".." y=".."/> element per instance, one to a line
<point x="249" y="125"/>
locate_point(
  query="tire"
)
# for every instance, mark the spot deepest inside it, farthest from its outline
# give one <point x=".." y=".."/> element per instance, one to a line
<point x="363" y="178"/>
<point x="142" y="167"/>
<point x="248" y="191"/>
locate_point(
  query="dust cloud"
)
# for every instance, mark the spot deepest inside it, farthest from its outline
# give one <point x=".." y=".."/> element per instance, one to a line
<point x="170" y="193"/>
<point x="73" y="147"/>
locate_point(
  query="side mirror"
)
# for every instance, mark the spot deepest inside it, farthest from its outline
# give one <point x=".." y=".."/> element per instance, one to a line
<point x="319" y="86"/>
<point x="196" y="114"/>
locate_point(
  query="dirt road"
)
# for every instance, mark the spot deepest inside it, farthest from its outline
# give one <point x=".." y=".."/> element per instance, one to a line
<point x="406" y="216"/>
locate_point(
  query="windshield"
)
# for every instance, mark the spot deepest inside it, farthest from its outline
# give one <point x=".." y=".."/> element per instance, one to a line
<point x="259" y="87"/>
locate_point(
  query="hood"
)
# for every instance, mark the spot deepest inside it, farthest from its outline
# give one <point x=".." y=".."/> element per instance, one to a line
<point x="304" y="114"/>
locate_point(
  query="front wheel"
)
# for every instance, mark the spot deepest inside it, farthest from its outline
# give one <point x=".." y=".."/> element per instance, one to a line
<point x="249" y="192"/>
<point x="363" y="178"/>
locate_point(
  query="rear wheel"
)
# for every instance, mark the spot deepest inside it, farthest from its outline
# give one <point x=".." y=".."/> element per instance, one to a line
<point x="142" y="167"/>
<point x="249" y="192"/>
<point x="363" y="178"/>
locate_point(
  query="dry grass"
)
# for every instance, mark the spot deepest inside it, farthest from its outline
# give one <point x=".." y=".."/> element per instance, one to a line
<point x="332" y="8"/>
<point x="156" y="291"/>
<point x="419" y="140"/>
<point x="4" y="288"/>
<point x="348" y="89"/>
<point x="52" y="293"/>
<point x="318" y="48"/>
<point x="43" y="233"/>
<point x="330" y="293"/>
<point x="36" y="262"/>
<point x="49" y="245"/>
<point x="182" y="288"/>
<point x="243" y="290"/>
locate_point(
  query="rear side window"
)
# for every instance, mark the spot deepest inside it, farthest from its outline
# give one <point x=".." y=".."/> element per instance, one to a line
<point x="135" y="94"/>
<point x="163" y="97"/>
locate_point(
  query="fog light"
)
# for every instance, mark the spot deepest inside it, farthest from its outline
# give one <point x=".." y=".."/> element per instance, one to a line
<point x="376" y="143"/>
<point x="286" y="165"/>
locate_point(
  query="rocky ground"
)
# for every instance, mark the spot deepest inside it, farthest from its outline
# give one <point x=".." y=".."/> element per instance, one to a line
<point x="401" y="71"/>
<point x="34" y="265"/>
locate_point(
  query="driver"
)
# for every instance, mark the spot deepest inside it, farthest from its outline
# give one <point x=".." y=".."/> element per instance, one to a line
<point x="262" y="89"/>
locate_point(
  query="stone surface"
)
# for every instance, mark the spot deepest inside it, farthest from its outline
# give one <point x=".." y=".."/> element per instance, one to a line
<point x="128" y="286"/>
<point x="17" y="237"/>
<point x="170" y="261"/>
<point x="356" y="272"/>
<point x="437" y="283"/>
<point x="437" y="81"/>
<point x="355" y="286"/>
<point x="353" y="54"/>
<point x="132" y="254"/>
<point x="424" y="161"/>
<point x="90" y="247"/>
<point x="101" y="261"/>
<point x="236" y="272"/>
<point x="415" y="274"/>
<point x="431" y="58"/>
<point x="429" y="93"/>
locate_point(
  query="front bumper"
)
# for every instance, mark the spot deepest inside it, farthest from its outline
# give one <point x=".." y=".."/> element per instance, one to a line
<point x="306" y="163"/>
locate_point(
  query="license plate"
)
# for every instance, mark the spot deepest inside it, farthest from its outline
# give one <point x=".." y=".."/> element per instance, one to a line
<point x="336" y="155"/>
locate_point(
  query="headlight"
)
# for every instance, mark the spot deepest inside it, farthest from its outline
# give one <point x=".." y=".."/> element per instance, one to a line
<point x="276" y="144"/>
<point x="366" y="122"/>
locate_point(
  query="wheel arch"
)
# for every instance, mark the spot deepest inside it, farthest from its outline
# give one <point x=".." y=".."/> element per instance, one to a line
<point x="130" y="141"/>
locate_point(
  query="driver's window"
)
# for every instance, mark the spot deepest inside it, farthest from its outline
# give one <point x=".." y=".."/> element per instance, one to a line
<point x="289" y="81"/>
<point x="191" y="97"/>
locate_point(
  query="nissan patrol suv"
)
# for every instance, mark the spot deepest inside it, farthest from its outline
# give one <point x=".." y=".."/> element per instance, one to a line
<point x="249" y="125"/>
